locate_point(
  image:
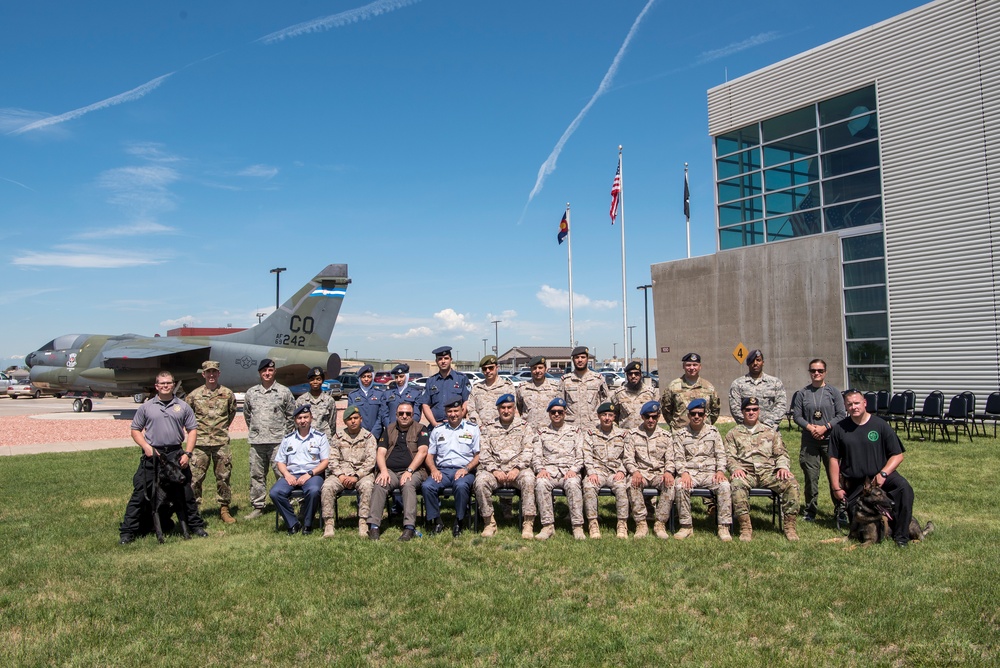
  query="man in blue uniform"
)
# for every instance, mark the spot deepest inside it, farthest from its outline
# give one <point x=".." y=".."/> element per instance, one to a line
<point x="370" y="402"/>
<point x="301" y="460"/>
<point x="401" y="391"/>
<point x="452" y="459"/>
<point x="443" y="388"/>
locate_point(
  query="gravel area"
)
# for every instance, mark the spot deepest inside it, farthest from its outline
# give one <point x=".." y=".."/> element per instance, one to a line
<point x="68" y="428"/>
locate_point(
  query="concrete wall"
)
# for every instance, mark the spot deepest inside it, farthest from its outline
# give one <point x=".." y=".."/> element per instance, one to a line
<point x="784" y="298"/>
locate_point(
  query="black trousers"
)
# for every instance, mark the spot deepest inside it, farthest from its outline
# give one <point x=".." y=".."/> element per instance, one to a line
<point x="898" y="489"/>
<point x="138" y="519"/>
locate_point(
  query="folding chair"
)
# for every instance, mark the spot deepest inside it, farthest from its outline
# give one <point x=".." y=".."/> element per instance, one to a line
<point x="991" y="412"/>
<point x="933" y="409"/>
<point x="298" y="494"/>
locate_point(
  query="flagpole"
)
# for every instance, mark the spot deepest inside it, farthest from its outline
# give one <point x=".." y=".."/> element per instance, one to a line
<point x="687" y="208"/>
<point x="624" y="296"/>
<point x="569" y="255"/>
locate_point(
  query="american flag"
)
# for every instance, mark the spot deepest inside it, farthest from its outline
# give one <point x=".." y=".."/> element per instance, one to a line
<point x="616" y="191"/>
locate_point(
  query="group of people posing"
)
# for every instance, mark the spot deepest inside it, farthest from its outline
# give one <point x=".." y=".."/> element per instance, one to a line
<point x="574" y="436"/>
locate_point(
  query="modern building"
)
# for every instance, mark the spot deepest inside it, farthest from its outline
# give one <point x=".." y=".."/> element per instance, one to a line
<point x="857" y="198"/>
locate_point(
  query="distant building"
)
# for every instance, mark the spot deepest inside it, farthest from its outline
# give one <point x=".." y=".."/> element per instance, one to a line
<point x="556" y="357"/>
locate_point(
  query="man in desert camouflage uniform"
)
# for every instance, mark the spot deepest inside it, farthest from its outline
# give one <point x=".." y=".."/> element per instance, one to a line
<point x="756" y="457"/>
<point x="322" y="404"/>
<point x="604" y="457"/>
<point x="268" y="409"/>
<point x="557" y="461"/>
<point x="649" y="462"/>
<point x="214" y="408"/>
<point x="533" y="396"/>
<point x="630" y="397"/>
<point x="352" y="465"/>
<point x="682" y="391"/>
<point x="770" y="392"/>
<point x="700" y="461"/>
<point x="507" y="446"/>
<point x="483" y="396"/>
<point x="583" y="389"/>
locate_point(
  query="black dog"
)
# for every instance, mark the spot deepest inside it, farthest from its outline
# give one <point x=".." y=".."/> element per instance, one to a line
<point x="168" y="493"/>
<point x="872" y="514"/>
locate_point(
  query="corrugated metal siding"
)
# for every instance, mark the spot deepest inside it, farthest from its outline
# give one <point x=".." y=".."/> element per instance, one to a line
<point x="937" y="69"/>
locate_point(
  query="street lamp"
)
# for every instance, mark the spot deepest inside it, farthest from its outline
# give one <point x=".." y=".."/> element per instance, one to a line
<point x="496" y="336"/>
<point x="484" y="347"/>
<point x="645" y="318"/>
<point x="277" y="286"/>
<point x="631" y="348"/>
<point x="260" y="316"/>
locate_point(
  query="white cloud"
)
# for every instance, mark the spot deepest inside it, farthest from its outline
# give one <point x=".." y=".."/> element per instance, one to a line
<point x="141" y="190"/>
<point x="11" y="119"/>
<point x="259" y="171"/>
<point x="83" y="258"/>
<point x="369" y="11"/>
<point x="151" y="151"/>
<point x="736" y="47"/>
<point x="414" y="333"/>
<point x="451" y="320"/>
<point x="13" y="296"/>
<point x="506" y="318"/>
<point x="185" y="320"/>
<point x="556" y="298"/>
<point x="134" y="229"/>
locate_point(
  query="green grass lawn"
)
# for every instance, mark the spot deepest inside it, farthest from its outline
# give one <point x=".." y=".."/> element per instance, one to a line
<point x="70" y="595"/>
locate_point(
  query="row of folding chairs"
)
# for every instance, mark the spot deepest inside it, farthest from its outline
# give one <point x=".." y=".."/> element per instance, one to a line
<point x="900" y="410"/>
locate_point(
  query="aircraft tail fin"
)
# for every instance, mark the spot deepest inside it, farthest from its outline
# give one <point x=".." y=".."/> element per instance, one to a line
<point x="307" y="319"/>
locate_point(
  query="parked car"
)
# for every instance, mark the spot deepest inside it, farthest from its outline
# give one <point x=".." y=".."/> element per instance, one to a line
<point x="383" y="377"/>
<point x="475" y="376"/>
<point x="5" y="382"/>
<point x="526" y="376"/>
<point x="332" y="386"/>
<point x="26" y="389"/>
<point x="349" y="382"/>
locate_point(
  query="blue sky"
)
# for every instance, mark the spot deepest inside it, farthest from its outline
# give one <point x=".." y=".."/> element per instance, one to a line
<point x="158" y="159"/>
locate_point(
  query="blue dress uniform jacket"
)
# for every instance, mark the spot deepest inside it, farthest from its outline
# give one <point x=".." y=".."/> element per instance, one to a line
<point x="372" y="408"/>
<point x="411" y="393"/>
<point x="441" y="391"/>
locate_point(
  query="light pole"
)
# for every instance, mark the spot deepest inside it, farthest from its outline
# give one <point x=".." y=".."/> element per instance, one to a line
<point x="347" y="354"/>
<point x="277" y="286"/>
<point x="614" y="350"/>
<point x="484" y="347"/>
<point x="496" y="337"/>
<point x="645" y="318"/>
<point x="631" y="348"/>
<point x="260" y="316"/>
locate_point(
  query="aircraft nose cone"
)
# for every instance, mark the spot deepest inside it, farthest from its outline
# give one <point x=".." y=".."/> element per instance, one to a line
<point x="29" y="360"/>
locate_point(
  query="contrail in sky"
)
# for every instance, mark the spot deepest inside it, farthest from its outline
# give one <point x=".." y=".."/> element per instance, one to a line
<point x="549" y="165"/>
<point x="127" y="96"/>
<point x="337" y="20"/>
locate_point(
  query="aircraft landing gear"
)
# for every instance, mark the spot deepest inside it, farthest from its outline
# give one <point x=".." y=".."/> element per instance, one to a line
<point x="138" y="397"/>
<point x="77" y="405"/>
<point x="88" y="405"/>
<point x="82" y="405"/>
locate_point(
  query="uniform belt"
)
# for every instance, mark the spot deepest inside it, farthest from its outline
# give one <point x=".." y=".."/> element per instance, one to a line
<point x="166" y="448"/>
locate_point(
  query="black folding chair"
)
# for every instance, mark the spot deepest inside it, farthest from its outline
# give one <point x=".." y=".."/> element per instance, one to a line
<point x="882" y="403"/>
<point x="956" y="416"/>
<point x="991" y="412"/>
<point x="932" y="410"/>
<point x="871" y="402"/>
<point x="897" y="413"/>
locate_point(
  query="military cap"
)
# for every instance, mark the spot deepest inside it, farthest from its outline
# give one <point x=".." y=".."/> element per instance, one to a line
<point x="209" y="364"/>
<point x="538" y="359"/>
<point x="443" y="350"/>
<point x="579" y="350"/>
<point x="697" y="403"/>
<point x="316" y="371"/>
<point x="400" y="368"/>
<point x="754" y="354"/>
<point x="505" y="399"/>
<point x="349" y="411"/>
<point x="692" y="357"/>
<point x="749" y="401"/>
<point x="454" y="404"/>
<point x="304" y="408"/>
<point x="606" y="407"/>
<point x="558" y="401"/>
<point x="633" y="366"/>
<point x="649" y="408"/>
<point x="489" y="359"/>
<point x="265" y="363"/>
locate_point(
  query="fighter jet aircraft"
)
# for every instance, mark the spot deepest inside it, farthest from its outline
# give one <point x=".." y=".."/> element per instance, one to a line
<point x="295" y="336"/>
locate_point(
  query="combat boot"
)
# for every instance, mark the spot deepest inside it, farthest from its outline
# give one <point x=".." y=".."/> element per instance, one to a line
<point x="594" y="528"/>
<point x="491" y="527"/>
<point x="622" y="531"/>
<point x="724" y="535"/>
<point x="746" y="529"/>
<point x="328" y="528"/>
<point x="578" y="532"/>
<point x="528" y="527"/>
<point x="686" y="531"/>
<point x="225" y="516"/>
<point x="547" y="531"/>
<point x="789" y="524"/>
<point x="660" y="530"/>
<point x="362" y="528"/>
<point x="641" y="529"/>
<point x="254" y="514"/>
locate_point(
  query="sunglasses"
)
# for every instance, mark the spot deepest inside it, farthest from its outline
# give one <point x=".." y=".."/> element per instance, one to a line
<point x="817" y="370"/>
<point x="560" y="412"/>
<point x="404" y="414"/>
<point x="751" y="410"/>
<point x="696" y="413"/>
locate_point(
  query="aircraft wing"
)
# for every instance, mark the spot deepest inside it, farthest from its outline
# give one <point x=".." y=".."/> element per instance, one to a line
<point x="164" y="353"/>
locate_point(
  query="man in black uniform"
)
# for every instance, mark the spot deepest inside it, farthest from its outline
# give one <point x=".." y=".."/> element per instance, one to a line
<point x="402" y="449"/>
<point x="864" y="447"/>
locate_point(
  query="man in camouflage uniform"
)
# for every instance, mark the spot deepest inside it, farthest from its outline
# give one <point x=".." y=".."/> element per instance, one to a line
<point x="533" y="397"/>
<point x="214" y="408"/>
<point x="557" y="461"/>
<point x="770" y="392"/>
<point x="507" y="446"/>
<point x="700" y="461"/>
<point x="682" y="391"/>
<point x="756" y="457"/>
<point x="604" y="457"/>
<point x="583" y="390"/>
<point x="352" y="465"/>
<point x="649" y="462"/>
<point x="322" y="404"/>
<point x="484" y="395"/>
<point x="630" y="397"/>
<point x="267" y="408"/>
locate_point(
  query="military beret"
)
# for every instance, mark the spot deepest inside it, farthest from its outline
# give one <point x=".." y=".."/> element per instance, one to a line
<point x="556" y="402"/>
<point x="505" y="399"/>
<point x="316" y="371"/>
<point x="443" y="350"/>
<point x="400" y="368"/>
<point x="265" y="363"/>
<point x="749" y="401"/>
<point x="606" y="407"/>
<point x="304" y="408"/>
<point x="754" y="354"/>
<point x="368" y="368"/>
<point x="579" y="350"/>
<point x="696" y="403"/>
<point x="649" y="408"/>
<point x="489" y="359"/>
<point x="538" y="359"/>
<point x="349" y="411"/>
<point x="633" y="366"/>
<point x="209" y="364"/>
<point x="692" y="357"/>
<point x="454" y="404"/>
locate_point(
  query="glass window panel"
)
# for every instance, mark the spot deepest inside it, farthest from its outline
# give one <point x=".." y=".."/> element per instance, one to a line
<point x="737" y="139"/>
<point x="869" y="326"/>
<point x="863" y="247"/>
<point x="740" y="211"/>
<point x="849" y="132"/>
<point x="855" y="186"/>
<point x="788" y="227"/>
<point x="789" y="124"/>
<point x="854" y="159"/>
<point x="859" y="300"/>
<point x="790" y="201"/>
<point x="742" y="235"/>
<point x="868" y="378"/>
<point x="791" y="174"/>
<point x="741" y="186"/>
<point x="847" y="105"/>
<point x="870" y="272"/>
<point x="738" y="163"/>
<point x="854" y="214"/>
<point x="793" y="148"/>
<point x="868" y="352"/>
